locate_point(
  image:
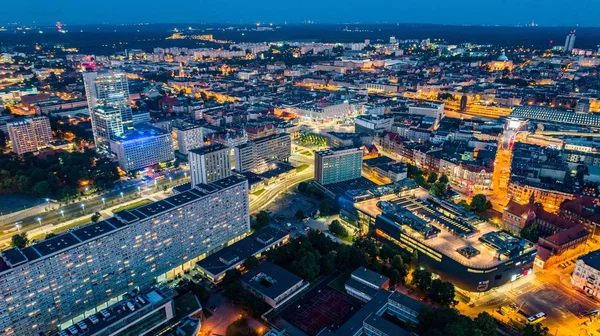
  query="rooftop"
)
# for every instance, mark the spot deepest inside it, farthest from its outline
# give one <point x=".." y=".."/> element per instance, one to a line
<point x="209" y="149"/>
<point x="222" y="260"/>
<point x="15" y="256"/>
<point x="369" y="276"/>
<point x="270" y="280"/>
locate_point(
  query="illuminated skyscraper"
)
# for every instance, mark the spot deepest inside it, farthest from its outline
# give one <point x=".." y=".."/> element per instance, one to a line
<point x="108" y="100"/>
<point x="570" y="41"/>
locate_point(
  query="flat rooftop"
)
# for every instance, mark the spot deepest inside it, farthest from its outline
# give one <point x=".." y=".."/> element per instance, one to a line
<point x="15" y="256"/>
<point x="449" y="242"/>
<point x="241" y="250"/>
<point x="209" y="149"/>
<point x="270" y="280"/>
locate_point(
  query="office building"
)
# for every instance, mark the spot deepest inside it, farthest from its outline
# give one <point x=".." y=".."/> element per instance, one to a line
<point x="189" y="137"/>
<point x="29" y="134"/>
<point x="583" y="105"/>
<point x="570" y="41"/>
<point x="428" y="109"/>
<point x="143" y="148"/>
<point x="209" y="164"/>
<point x="586" y="275"/>
<point x="257" y="155"/>
<point x="337" y="165"/>
<point x="273" y="284"/>
<point x="55" y="282"/>
<point x="108" y="101"/>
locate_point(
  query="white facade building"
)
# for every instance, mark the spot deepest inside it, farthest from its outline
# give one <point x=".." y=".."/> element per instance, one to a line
<point x="59" y="279"/>
<point x="210" y="163"/>
<point x="189" y="137"/>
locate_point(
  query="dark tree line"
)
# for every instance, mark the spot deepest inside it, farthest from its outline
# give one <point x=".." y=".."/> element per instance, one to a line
<point x="58" y="176"/>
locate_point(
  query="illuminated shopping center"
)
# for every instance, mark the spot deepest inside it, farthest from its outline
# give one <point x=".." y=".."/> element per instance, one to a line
<point x="473" y="254"/>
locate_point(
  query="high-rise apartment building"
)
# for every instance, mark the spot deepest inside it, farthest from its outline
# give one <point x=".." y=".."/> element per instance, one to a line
<point x="570" y="41"/>
<point x="59" y="281"/>
<point x="256" y="155"/>
<point x="189" y="137"/>
<point x="143" y="147"/>
<point x="337" y="165"/>
<point x="209" y="164"/>
<point x="29" y="134"/>
<point x="108" y="101"/>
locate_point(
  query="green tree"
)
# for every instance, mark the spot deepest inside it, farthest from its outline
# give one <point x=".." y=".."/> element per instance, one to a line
<point x="535" y="330"/>
<point x="479" y="203"/>
<point x="20" y="240"/>
<point x="328" y="262"/>
<point x="421" y="278"/>
<point x="95" y="217"/>
<point x="327" y="207"/>
<point x="442" y="292"/>
<point x="432" y="177"/>
<point x="395" y="276"/>
<point x="485" y="323"/>
<point x="337" y="229"/>
<point x="414" y="259"/>
<point x="439" y="189"/>
<point x="251" y="263"/>
<point x="531" y="233"/>
<point x="262" y="219"/>
<point x="41" y="188"/>
<point x="307" y="267"/>
<point x="463" y="203"/>
<point x="299" y="214"/>
<point x="444" y="179"/>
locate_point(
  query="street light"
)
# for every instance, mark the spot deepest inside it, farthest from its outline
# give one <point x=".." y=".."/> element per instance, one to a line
<point x="62" y="212"/>
<point x="104" y="201"/>
<point x="39" y="219"/>
<point x="83" y="207"/>
<point x="121" y="194"/>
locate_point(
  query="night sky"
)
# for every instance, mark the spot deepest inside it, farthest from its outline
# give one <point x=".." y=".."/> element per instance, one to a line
<point x="477" y="12"/>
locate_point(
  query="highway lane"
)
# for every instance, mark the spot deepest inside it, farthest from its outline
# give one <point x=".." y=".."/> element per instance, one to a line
<point x="136" y="191"/>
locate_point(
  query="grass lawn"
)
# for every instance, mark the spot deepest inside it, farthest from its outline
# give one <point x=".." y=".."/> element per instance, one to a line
<point x="85" y="220"/>
<point x="133" y="205"/>
<point x="340" y="281"/>
<point x="258" y="192"/>
<point x="301" y="168"/>
<point x="306" y="153"/>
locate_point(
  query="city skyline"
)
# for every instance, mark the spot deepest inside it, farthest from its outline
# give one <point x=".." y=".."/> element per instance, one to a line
<point x="465" y="12"/>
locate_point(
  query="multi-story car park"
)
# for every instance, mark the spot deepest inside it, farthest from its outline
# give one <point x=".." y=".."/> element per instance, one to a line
<point x="61" y="280"/>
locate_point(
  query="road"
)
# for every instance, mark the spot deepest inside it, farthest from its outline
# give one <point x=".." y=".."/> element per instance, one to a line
<point x="48" y="221"/>
<point x="547" y="291"/>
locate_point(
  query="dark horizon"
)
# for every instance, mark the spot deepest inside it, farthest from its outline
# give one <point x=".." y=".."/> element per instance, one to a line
<point x="460" y="12"/>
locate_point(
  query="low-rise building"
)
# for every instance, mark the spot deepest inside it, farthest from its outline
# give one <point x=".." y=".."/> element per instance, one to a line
<point x="216" y="265"/>
<point x="364" y="283"/>
<point x="273" y="284"/>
